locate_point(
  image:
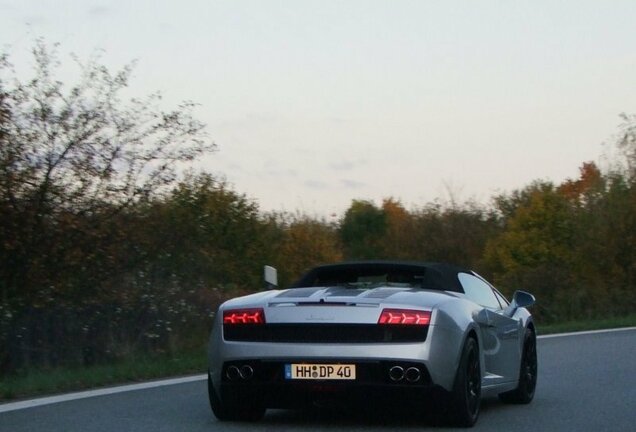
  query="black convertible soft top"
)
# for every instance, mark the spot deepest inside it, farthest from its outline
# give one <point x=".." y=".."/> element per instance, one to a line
<point x="437" y="276"/>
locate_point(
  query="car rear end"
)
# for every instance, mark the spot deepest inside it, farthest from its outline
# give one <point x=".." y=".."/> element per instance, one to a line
<point x="286" y="354"/>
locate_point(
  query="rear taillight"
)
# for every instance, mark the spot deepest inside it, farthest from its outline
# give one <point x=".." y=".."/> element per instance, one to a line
<point x="405" y="316"/>
<point x="244" y="316"/>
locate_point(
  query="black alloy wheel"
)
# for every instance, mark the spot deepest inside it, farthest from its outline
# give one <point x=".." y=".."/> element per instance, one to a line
<point x="465" y="402"/>
<point x="528" y="372"/>
<point x="473" y="382"/>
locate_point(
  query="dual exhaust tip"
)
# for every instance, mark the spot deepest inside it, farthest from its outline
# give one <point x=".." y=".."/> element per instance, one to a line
<point x="411" y="374"/>
<point x="244" y="372"/>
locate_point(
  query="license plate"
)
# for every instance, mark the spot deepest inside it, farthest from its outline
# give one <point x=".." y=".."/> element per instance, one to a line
<point x="308" y="371"/>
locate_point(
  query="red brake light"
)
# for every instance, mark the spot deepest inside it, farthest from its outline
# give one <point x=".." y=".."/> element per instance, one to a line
<point x="405" y="316"/>
<point x="244" y="316"/>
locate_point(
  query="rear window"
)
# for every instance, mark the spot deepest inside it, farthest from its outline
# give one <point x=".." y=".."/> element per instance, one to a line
<point x="361" y="276"/>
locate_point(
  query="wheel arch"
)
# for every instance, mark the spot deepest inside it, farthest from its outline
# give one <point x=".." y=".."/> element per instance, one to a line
<point x="472" y="332"/>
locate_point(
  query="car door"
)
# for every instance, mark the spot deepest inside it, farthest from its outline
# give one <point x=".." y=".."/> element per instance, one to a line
<point x="500" y="333"/>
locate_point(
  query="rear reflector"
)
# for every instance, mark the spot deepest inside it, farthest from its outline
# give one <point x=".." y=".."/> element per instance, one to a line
<point x="244" y="316"/>
<point x="405" y="316"/>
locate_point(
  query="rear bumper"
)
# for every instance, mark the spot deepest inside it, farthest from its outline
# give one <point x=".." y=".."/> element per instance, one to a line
<point x="269" y="387"/>
<point x="439" y="354"/>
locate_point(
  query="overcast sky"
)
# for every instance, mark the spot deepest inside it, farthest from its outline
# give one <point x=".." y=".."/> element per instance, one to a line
<point x="316" y="103"/>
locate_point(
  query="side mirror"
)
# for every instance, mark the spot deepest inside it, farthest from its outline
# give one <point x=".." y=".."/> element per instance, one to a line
<point x="519" y="299"/>
<point x="270" y="274"/>
<point x="523" y="299"/>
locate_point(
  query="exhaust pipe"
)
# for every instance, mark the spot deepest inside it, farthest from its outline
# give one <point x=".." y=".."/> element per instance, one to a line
<point x="246" y="372"/>
<point x="232" y="373"/>
<point x="396" y="373"/>
<point x="412" y="374"/>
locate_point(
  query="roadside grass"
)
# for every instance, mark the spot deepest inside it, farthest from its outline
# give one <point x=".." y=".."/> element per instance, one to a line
<point x="138" y="368"/>
<point x="142" y="368"/>
<point x="593" y="324"/>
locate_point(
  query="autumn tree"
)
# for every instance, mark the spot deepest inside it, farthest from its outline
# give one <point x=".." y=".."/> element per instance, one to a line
<point x="456" y="234"/>
<point x="536" y="249"/>
<point x="397" y="241"/>
<point x="75" y="161"/>
<point x="307" y="242"/>
<point x="605" y="252"/>
<point x="571" y="244"/>
<point x="362" y="230"/>
<point x="587" y="188"/>
<point x="72" y="157"/>
<point x="212" y="236"/>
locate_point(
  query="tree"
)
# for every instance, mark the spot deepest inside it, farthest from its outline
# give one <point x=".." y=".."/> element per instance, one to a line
<point x="507" y="204"/>
<point x="627" y="142"/>
<point x="212" y="236"/>
<point x="306" y="243"/>
<point x="456" y="234"/>
<point x="397" y="240"/>
<point x="587" y="188"/>
<point x="76" y="162"/>
<point x="535" y="251"/>
<point x="71" y="158"/>
<point x="362" y="230"/>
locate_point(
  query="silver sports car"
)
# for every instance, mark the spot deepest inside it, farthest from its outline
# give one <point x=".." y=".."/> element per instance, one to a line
<point x="418" y="333"/>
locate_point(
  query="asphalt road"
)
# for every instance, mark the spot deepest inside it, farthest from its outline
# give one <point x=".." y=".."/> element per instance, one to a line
<point x="586" y="383"/>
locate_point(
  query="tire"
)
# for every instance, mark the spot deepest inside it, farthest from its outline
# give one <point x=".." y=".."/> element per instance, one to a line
<point x="524" y="393"/>
<point x="227" y="411"/>
<point x="465" y="400"/>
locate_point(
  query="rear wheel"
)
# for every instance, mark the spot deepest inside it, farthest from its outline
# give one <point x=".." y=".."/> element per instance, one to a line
<point x="465" y="400"/>
<point x="233" y="411"/>
<point x="524" y="393"/>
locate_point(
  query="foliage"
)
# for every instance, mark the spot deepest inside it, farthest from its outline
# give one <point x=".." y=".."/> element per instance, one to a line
<point x="627" y="143"/>
<point x="73" y="163"/>
<point x="457" y="234"/>
<point x="209" y="231"/>
<point x="306" y="242"/>
<point x="362" y="228"/>
<point x="433" y="233"/>
<point x="535" y="250"/>
<point x="572" y="245"/>
<point x="73" y="158"/>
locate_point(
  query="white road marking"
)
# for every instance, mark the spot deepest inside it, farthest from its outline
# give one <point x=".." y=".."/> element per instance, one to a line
<point x="152" y="384"/>
<point x="581" y="333"/>
<point x="99" y="392"/>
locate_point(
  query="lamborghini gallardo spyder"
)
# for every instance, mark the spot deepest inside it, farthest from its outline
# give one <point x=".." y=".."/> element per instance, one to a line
<point x="425" y="334"/>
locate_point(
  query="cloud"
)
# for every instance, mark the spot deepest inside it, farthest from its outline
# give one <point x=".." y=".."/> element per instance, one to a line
<point x="273" y="168"/>
<point x="342" y="166"/>
<point x="98" y="11"/>
<point x="352" y="184"/>
<point x="347" y="165"/>
<point x="253" y="121"/>
<point x="316" y="184"/>
<point x="35" y="20"/>
<point x="281" y="173"/>
<point x="236" y="167"/>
